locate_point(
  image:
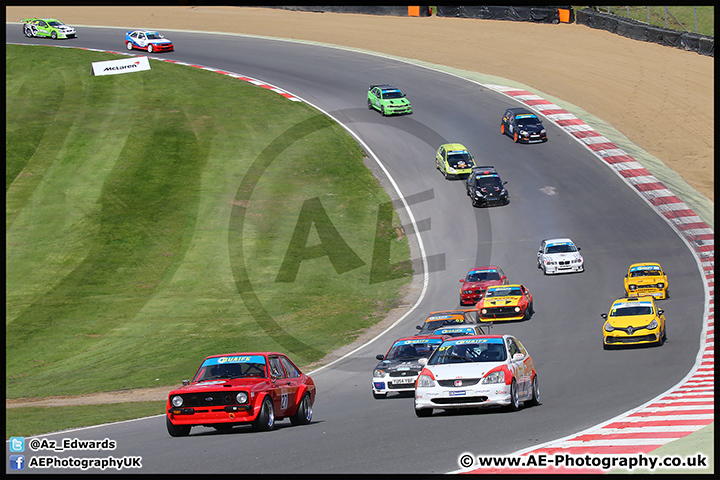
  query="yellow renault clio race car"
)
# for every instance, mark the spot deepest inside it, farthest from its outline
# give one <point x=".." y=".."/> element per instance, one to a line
<point x="646" y="279"/>
<point x="635" y="321"/>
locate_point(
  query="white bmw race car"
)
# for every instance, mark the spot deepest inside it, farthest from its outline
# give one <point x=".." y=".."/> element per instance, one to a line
<point x="477" y="371"/>
<point x="559" y="255"/>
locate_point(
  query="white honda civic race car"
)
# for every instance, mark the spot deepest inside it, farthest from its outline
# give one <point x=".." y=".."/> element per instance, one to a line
<point x="559" y="255"/>
<point x="477" y="371"/>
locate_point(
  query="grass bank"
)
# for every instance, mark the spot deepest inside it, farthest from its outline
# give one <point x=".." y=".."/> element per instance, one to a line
<point x="158" y="217"/>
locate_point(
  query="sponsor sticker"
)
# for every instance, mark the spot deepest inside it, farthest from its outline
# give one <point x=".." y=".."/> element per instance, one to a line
<point x="124" y="65"/>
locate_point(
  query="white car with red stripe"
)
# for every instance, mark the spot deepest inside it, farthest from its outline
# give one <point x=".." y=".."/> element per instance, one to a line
<point x="477" y="371"/>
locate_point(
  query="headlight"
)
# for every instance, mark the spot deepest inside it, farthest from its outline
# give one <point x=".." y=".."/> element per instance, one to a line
<point x="495" y="377"/>
<point x="176" y="401"/>
<point x="633" y="287"/>
<point x="523" y="132"/>
<point x="542" y="131"/>
<point x="660" y="285"/>
<point x="241" y="397"/>
<point x="425" y="381"/>
<point x="483" y="311"/>
<point x="652" y="325"/>
<point x="450" y="170"/>
<point x="608" y="327"/>
<point x="467" y="292"/>
<point x="378" y="373"/>
<point x="517" y="309"/>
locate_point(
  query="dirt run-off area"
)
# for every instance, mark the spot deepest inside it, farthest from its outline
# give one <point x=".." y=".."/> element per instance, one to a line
<point x="661" y="98"/>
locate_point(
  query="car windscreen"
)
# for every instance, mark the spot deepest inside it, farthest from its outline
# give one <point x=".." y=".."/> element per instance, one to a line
<point x="482" y="181"/>
<point x="469" y="351"/>
<point x="560" y="249"/>
<point x="528" y="122"/>
<point x="482" y="276"/>
<point x="432" y="325"/>
<point x="55" y="24"/>
<point x="238" y="366"/>
<point x="503" y="292"/>
<point x="154" y="36"/>
<point x="629" y="311"/>
<point x="392" y="94"/>
<point x="455" y="158"/>
<point x="645" y="273"/>
<point x="412" y="349"/>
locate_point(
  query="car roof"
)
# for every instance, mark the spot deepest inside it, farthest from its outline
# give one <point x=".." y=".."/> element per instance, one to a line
<point x="509" y="285"/>
<point x="244" y="354"/>
<point x="642" y="298"/>
<point x="485" y="267"/>
<point x="453" y="146"/>
<point x="640" y="264"/>
<point x="519" y="110"/>
<point x="385" y="86"/>
<point x="419" y="339"/>
<point x="558" y="240"/>
<point x="479" y="337"/>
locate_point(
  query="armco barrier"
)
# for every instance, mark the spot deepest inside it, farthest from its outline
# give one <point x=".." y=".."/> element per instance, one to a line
<point x="628" y="27"/>
<point x="540" y="14"/>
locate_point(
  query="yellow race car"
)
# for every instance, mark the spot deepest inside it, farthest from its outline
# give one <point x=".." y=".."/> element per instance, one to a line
<point x="635" y="320"/>
<point x="646" y="279"/>
<point x="505" y="302"/>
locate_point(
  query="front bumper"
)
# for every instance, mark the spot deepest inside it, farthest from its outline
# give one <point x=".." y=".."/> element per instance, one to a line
<point x="479" y="395"/>
<point x="494" y="314"/>
<point x="618" y="337"/>
<point x="485" y="201"/>
<point x="568" y="268"/>
<point x="532" y="138"/>
<point x="212" y="415"/>
<point x="397" y="109"/>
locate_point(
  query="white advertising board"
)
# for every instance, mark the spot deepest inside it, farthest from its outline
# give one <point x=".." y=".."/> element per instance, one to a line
<point x="125" y="65"/>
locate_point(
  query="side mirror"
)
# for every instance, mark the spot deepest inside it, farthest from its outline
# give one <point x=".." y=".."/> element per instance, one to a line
<point x="505" y="182"/>
<point x="660" y="312"/>
<point x="186" y="383"/>
<point x="518" y="357"/>
<point x="579" y="249"/>
<point x="462" y="280"/>
<point x="422" y="361"/>
<point x="418" y="327"/>
<point x="604" y="315"/>
<point x="379" y="357"/>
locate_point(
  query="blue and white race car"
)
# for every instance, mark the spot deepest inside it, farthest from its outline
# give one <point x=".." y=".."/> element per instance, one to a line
<point x="148" y="40"/>
<point x="399" y="367"/>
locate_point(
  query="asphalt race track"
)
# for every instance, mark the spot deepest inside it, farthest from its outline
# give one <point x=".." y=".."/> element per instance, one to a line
<point x="556" y="189"/>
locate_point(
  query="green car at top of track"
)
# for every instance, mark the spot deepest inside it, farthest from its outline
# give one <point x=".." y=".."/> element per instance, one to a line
<point x="47" y="27"/>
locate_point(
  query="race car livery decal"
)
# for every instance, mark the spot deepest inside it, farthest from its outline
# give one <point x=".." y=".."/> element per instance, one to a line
<point x="234" y="359"/>
<point x="419" y="341"/>
<point x="447" y="331"/>
<point x="645" y="268"/>
<point x="459" y="318"/>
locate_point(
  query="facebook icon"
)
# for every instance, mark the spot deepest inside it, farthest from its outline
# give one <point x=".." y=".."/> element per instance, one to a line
<point x="17" y="462"/>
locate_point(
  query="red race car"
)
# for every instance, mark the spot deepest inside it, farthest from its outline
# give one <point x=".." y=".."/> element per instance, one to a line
<point x="477" y="281"/>
<point x="256" y="388"/>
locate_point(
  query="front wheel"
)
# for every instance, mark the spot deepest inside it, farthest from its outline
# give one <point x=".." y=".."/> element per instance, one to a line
<point x="516" y="137"/>
<point x="502" y="128"/>
<point x="265" y="420"/>
<point x="53" y="35"/>
<point x="150" y="48"/>
<point x="177" y="430"/>
<point x="303" y="416"/>
<point x="28" y="32"/>
<point x="370" y="107"/>
<point x="382" y="110"/>
<point x="128" y="45"/>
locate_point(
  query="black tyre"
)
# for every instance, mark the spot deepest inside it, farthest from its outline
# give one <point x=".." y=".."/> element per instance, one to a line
<point x="265" y="420"/>
<point x="370" y="107"/>
<point x="177" y="430"/>
<point x="514" y="402"/>
<point x="28" y="32"/>
<point x="423" y="412"/>
<point x="53" y="35"/>
<point x="535" y="397"/>
<point x="303" y="416"/>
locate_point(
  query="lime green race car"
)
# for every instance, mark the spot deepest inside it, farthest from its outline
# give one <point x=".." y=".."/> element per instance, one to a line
<point x="454" y="160"/>
<point x="47" y="27"/>
<point x="388" y="100"/>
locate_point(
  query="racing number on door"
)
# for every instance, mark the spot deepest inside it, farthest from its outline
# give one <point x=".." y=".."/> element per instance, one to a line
<point x="284" y="401"/>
